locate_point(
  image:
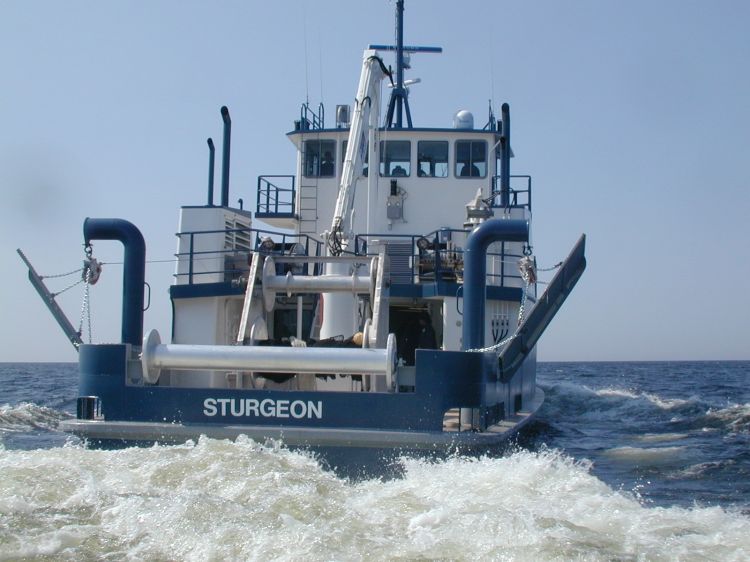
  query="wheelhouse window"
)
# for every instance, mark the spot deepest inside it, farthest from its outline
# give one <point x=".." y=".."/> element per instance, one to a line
<point x="319" y="158"/>
<point x="395" y="158"/>
<point x="471" y="159"/>
<point x="365" y="164"/>
<point x="432" y="159"/>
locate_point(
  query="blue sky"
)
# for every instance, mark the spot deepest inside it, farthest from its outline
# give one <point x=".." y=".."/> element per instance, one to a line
<point x="632" y="118"/>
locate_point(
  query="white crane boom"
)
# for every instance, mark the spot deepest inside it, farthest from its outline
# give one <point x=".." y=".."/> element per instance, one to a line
<point x="366" y="115"/>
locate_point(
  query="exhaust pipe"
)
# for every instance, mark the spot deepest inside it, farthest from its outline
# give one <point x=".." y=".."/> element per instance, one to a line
<point x="211" y="157"/>
<point x="475" y="272"/>
<point x="505" y="161"/>
<point x="133" y="271"/>
<point x="225" y="156"/>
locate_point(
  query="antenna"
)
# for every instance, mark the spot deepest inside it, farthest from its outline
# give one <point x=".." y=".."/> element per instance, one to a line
<point x="304" y="31"/>
<point x="400" y="95"/>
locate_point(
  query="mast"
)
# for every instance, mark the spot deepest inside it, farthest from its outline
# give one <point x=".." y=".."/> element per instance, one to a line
<point x="399" y="101"/>
<point x="399" y="93"/>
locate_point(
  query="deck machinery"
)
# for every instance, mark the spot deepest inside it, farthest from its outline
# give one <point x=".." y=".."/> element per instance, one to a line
<point x="382" y="296"/>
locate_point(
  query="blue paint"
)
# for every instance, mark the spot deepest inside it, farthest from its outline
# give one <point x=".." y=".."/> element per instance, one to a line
<point x="449" y="289"/>
<point x="475" y="271"/>
<point x="200" y="290"/>
<point x="133" y="271"/>
<point x="444" y="380"/>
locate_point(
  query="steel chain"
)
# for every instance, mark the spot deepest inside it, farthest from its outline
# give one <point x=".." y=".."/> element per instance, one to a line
<point x="85" y="309"/>
<point x="68" y="287"/>
<point x="520" y="320"/>
<point x="521" y="309"/>
<point x="550" y="268"/>
<point x="62" y="274"/>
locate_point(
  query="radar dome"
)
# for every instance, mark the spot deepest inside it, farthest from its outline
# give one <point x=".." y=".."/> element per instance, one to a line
<point x="463" y="120"/>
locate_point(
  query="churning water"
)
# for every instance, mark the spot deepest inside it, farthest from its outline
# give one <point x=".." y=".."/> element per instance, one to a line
<point x="628" y="461"/>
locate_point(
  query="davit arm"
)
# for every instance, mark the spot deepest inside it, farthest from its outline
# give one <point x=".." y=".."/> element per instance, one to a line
<point x="366" y="116"/>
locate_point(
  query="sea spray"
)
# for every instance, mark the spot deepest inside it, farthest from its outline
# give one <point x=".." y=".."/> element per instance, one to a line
<point x="242" y="500"/>
<point x="27" y="415"/>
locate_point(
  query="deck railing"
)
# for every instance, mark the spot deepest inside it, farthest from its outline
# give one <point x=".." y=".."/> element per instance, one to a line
<point x="519" y="194"/>
<point x="230" y="263"/>
<point x="438" y="257"/>
<point x="309" y="119"/>
<point x="275" y="200"/>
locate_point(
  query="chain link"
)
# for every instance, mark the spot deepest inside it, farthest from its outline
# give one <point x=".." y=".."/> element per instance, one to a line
<point x="85" y="308"/>
<point x="68" y="288"/>
<point x="558" y="264"/>
<point x="521" y="308"/>
<point x="62" y="275"/>
<point x="526" y="275"/>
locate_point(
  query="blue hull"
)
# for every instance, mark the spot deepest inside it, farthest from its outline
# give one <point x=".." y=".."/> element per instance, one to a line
<point x="134" y="412"/>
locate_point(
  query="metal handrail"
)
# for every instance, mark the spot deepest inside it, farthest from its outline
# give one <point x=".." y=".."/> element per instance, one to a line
<point x="309" y="120"/>
<point x="441" y="255"/>
<point x="515" y="195"/>
<point x="274" y="202"/>
<point x="312" y="247"/>
<point x="446" y="262"/>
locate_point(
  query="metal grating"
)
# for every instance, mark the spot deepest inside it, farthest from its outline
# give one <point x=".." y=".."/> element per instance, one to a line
<point x="399" y="254"/>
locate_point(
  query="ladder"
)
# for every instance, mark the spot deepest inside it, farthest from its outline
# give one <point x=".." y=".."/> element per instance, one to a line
<point x="379" y="327"/>
<point x="308" y="209"/>
<point x="251" y="278"/>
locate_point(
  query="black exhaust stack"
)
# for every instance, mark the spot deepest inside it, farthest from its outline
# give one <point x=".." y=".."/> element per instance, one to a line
<point x="505" y="156"/>
<point x="225" y="157"/>
<point x="211" y="158"/>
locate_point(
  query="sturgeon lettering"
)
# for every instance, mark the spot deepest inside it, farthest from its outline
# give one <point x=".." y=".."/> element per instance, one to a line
<point x="266" y="408"/>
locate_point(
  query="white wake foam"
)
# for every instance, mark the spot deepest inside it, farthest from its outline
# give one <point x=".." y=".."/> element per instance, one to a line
<point x="661" y="403"/>
<point x="648" y="456"/>
<point x="26" y="415"/>
<point x="735" y="417"/>
<point x="222" y="500"/>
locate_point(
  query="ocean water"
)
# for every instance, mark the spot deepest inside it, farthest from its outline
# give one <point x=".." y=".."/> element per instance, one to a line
<point x="626" y="461"/>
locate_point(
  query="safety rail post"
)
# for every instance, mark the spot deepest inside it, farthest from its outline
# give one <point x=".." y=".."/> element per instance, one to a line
<point x="527" y="191"/>
<point x="269" y="200"/>
<point x="190" y="262"/>
<point x="502" y="264"/>
<point x="529" y="188"/>
<point x="257" y="200"/>
<point x="315" y="121"/>
<point x="438" y="259"/>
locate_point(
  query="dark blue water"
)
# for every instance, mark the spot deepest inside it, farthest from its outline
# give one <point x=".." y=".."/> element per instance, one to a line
<point x="673" y="433"/>
<point x="677" y="433"/>
<point x="626" y="461"/>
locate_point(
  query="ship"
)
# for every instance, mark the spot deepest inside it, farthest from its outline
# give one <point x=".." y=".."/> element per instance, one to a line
<point x="382" y="296"/>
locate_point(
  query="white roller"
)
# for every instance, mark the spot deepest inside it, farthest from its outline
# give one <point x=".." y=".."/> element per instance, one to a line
<point x="328" y="360"/>
<point x="295" y="284"/>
